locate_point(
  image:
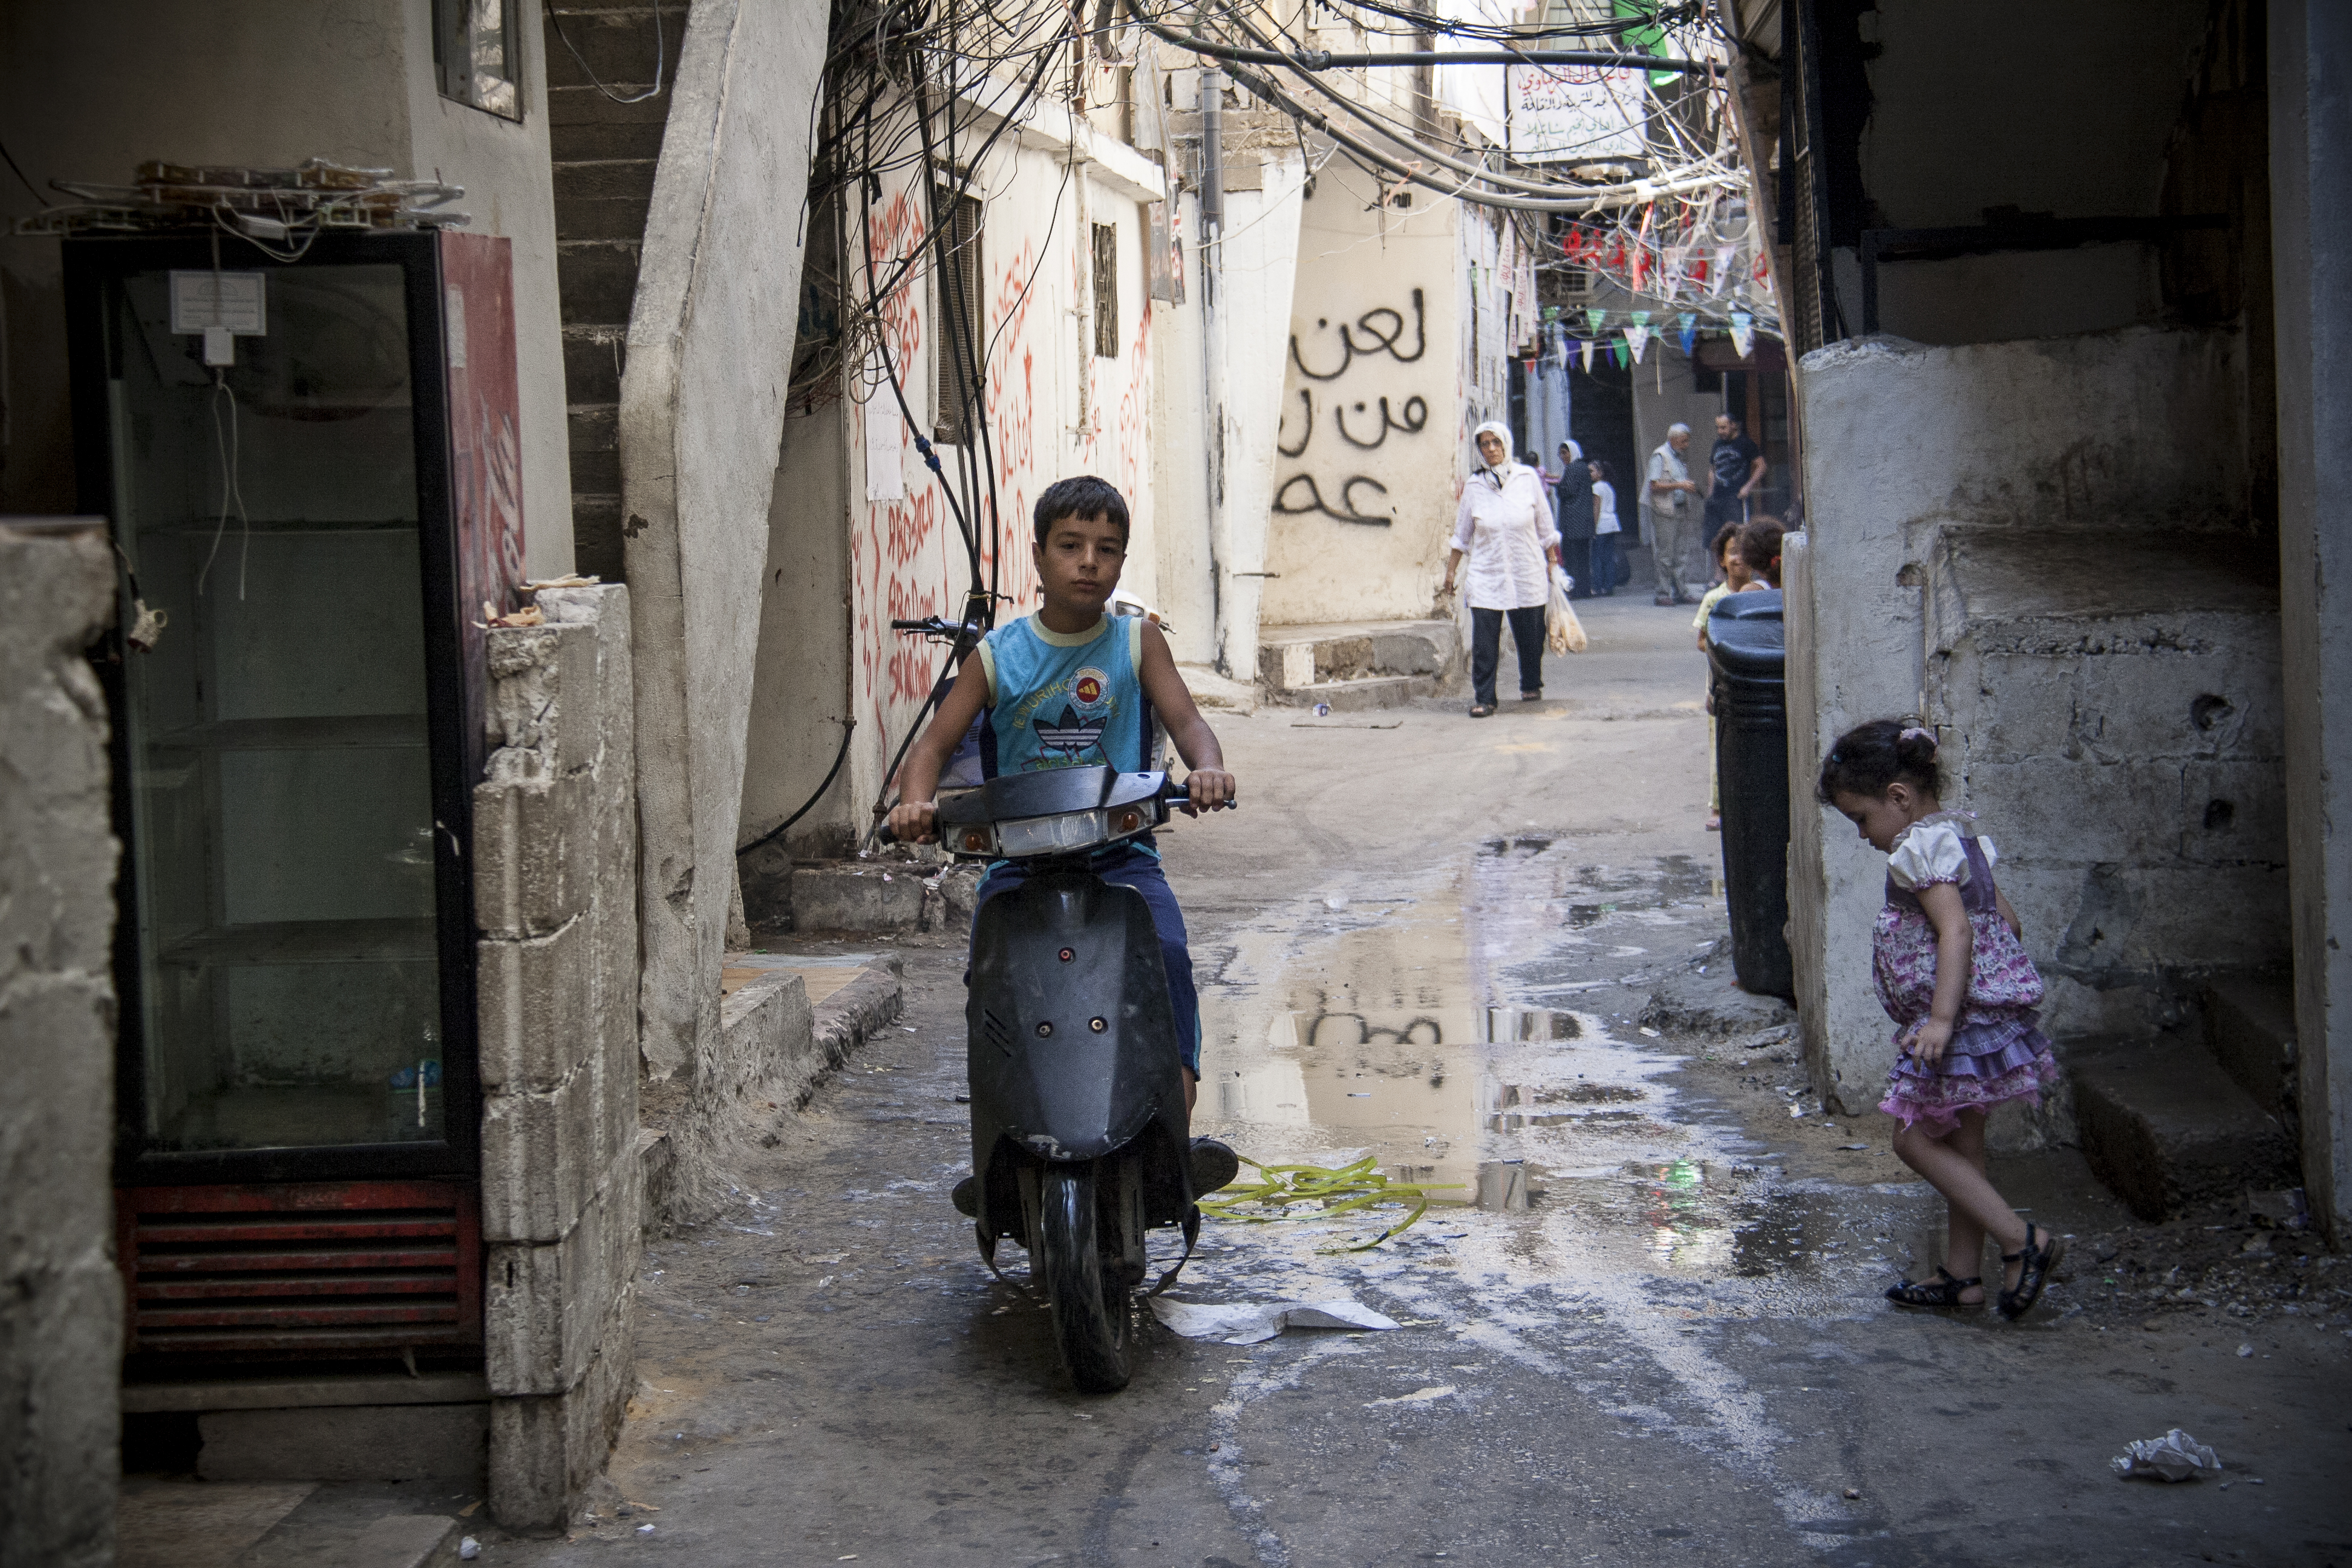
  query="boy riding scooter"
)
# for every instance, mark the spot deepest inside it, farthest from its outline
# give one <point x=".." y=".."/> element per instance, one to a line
<point x="1071" y="687"/>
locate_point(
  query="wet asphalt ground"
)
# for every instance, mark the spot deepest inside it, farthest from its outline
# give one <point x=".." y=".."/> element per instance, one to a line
<point x="1648" y="1331"/>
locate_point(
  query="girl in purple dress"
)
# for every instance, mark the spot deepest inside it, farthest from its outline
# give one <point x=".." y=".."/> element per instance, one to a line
<point x="1952" y="974"/>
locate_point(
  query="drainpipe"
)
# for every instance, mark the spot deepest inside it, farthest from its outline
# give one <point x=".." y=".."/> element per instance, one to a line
<point x="1212" y="350"/>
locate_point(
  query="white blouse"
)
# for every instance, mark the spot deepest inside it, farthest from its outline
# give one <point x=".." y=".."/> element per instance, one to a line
<point x="1503" y="525"/>
<point x="1608" y="522"/>
<point x="1930" y="850"/>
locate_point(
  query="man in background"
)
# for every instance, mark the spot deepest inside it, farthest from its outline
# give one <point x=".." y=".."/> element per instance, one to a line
<point x="1739" y="468"/>
<point x="1670" y="507"/>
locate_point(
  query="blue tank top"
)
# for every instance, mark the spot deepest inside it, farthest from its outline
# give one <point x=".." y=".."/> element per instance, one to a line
<point x="1065" y="700"/>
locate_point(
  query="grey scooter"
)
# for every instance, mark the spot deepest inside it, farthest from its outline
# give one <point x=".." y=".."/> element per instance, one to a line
<point x="1079" y="1136"/>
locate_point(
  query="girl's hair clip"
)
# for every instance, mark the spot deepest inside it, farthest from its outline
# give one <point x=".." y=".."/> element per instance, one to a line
<point x="1915" y="733"/>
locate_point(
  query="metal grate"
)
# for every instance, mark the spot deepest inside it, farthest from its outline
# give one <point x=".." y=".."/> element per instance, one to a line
<point x="311" y="1266"/>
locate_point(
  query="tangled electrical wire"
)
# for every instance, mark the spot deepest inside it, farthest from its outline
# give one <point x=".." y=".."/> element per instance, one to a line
<point x="916" y="95"/>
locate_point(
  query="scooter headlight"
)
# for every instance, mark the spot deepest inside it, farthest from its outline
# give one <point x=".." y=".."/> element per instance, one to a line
<point x="968" y="840"/>
<point x="1060" y="833"/>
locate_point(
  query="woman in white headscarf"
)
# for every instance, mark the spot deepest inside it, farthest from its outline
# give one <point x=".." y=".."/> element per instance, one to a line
<point x="1505" y="526"/>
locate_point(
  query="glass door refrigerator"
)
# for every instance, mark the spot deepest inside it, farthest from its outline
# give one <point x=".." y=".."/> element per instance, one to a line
<point x="311" y="471"/>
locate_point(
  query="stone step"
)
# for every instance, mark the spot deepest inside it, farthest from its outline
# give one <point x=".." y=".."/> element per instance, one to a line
<point x="2164" y="1126"/>
<point x="278" y="1524"/>
<point x="1290" y="658"/>
<point x="1358" y="696"/>
<point x="882" y="895"/>
<point x="2250" y="1029"/>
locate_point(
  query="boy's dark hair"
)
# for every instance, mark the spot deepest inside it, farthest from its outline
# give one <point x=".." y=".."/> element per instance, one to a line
<point x="1869" y="758"/>
<point x="1759" y="547"/>
<point x="1085" y="496"/>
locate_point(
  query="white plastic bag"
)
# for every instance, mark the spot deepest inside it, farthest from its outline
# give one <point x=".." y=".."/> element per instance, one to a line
<point x="2175" y="1457"/>
<point x="1563" y="633"/>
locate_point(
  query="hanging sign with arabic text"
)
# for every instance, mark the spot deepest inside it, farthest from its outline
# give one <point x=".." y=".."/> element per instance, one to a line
<point x="1576" y="113"/>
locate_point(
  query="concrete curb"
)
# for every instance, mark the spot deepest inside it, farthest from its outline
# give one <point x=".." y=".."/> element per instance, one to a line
<point x="845" y="1019"/>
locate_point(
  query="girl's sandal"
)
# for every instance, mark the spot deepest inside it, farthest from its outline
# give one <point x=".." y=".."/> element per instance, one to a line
<point x="2038" y="1262"/>
<point x="1944" y="1290"/>
<point x="1483" y="710"/>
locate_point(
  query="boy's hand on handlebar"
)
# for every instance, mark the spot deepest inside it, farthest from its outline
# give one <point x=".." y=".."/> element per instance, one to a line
<point x="914" y="821"/>
<point x="1208" y="789"/>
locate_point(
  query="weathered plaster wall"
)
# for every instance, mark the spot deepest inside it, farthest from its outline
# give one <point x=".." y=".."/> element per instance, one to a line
<point x="711" y="340"/>
<point x="2311" y="165"/>
<point x="555" y="898"/>
<point x="61" y="1298"/>
<point x="95" y="89"/>
<point x="1261" y="262"/>
<point x="1364" y="490"/>
<point x="2045" y="548"/>
<point x="906" y="558"/>
<point x="1946" y="141"/>
<point x="1179" y="479"/>
<point x="799" y="690"/>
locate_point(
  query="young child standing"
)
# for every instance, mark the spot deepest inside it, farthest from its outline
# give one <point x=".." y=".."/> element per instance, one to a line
<point x="1951" y="973"/>
<point x="1071" y="686"/>
<point x="1735" y="580"/>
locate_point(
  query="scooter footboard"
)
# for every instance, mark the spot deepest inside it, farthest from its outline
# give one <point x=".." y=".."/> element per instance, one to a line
<point x="1071" y="1045"/>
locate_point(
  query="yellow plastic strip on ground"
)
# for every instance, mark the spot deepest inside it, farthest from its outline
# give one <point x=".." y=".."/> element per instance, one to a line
<point x="1358" y="1185"/>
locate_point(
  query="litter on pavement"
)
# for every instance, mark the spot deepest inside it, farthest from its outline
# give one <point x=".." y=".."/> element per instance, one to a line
<point x="1247" y="1322"/>
<point x="2175" y="1457"/>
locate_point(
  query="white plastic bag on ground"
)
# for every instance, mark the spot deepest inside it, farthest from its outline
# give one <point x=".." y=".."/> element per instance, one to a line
<point x="1247" y="1322"/>
<point x="2175" y="1457"/>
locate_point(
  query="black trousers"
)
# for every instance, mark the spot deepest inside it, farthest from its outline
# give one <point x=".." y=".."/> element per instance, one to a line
<point x="1576" y="560"/>
<point x="1487" y="649"/>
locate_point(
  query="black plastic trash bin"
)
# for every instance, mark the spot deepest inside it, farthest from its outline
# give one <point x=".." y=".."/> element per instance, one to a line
<point x="1751" y="761"/>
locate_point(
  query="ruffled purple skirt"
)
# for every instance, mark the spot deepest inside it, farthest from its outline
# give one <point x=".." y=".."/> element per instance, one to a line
<point x="1994" y="1057"/>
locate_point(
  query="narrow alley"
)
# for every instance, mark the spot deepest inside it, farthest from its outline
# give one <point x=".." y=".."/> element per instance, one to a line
<point x="1647" y="1330"/>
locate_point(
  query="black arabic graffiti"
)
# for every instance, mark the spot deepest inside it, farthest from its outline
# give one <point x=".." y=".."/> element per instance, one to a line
<point x="1416" y="418"/>
<point x="1376" y="339"/>
<point x="1306" y="402"/>
<point x="1316" y="502"/>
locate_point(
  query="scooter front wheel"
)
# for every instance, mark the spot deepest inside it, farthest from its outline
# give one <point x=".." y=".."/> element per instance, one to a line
<point x="1094" y="1315"/>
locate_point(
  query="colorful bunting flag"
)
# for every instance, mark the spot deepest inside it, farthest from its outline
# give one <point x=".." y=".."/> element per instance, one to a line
<point x="1584" y="347"/>
<point x="1689" y="334"/>
<point x="1637" y="338"/>
<point x="1743" y="332"/>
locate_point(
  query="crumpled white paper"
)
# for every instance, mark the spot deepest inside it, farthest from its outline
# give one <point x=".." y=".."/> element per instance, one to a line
<point x="1247" y="1322"/>
<point x="2175" y="1457"/>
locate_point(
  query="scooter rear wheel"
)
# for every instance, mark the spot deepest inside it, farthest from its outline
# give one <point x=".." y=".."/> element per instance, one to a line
<point x="1094" y="1314"/>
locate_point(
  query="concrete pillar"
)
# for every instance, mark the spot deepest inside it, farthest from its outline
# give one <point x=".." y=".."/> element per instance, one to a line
<point x="555" y="898"/>
<point x="702" y="415"/>
<point x="2311" y="167"/>
<point x="60" y="1298"/>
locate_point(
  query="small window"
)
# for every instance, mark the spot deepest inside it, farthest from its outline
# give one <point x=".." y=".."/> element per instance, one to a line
<point x="958" y="327"/>
<point x="480" y="55"/>
<point x="1105" y="291"/>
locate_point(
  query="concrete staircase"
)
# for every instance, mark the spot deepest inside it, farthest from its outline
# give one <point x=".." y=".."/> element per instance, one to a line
<point x="2250" y="1029"/>
<point x="2192" y="1119"/>
<point x="1359" y="664"/>
<point x="603" y="155"/>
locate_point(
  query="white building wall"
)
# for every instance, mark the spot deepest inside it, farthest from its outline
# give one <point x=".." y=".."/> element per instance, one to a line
<point x="906" y="557"/>
<point x="1367" y="470"/>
